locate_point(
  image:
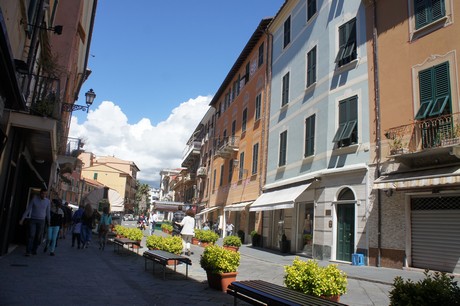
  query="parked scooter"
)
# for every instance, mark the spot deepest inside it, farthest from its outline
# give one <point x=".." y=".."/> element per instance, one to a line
<point x="141" y="224"/>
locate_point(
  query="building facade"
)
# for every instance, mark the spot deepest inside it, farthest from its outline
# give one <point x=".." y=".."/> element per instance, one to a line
<point x="314" y="200"/>
<point x="416" y="203"/>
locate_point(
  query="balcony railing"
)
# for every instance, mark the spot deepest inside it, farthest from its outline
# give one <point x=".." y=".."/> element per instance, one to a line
<point x="226" y="146"/>
<point x="425" y="134"/>
<point x="43" y="98"/>
<point x="74" y="146"/>
<point x="193" y="148"/>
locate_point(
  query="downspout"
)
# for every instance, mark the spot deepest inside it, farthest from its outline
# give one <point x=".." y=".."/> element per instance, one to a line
<point x="378" y="133"/>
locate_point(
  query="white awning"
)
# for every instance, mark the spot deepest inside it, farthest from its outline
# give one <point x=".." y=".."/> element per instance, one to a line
<point x="206" y="210"/>
<point x="237" y="207"/>
<point x="417" y="179"/>
<point x="114" y="198"/>
<point x="279" y="199"/>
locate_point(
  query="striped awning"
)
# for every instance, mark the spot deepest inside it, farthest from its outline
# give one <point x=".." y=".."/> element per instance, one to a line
<point x="418" y="179"/>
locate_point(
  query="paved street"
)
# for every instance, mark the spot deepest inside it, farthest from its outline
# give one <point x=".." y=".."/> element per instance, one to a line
<point x="94" y="277"/>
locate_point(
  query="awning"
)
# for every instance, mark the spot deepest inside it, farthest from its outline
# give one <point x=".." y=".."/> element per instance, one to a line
<point x="114" y="198"/>
<point x="279" y="199"/>
<point x="167" y="205"/>
<point x="206" y="210"/>
<point x="237" y="207"/>
<point x="417" y="179"/>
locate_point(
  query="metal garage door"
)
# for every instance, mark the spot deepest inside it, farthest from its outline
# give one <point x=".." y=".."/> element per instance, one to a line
<point x="436" y="233"/>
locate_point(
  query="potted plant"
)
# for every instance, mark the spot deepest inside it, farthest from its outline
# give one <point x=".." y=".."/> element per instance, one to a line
<point x="172" y="244"/>
<point x="154" y="242"/>
<point x="167" y="228"/>
<point x="221" y="266"/>
<point x="208" y="237"/>
<point x="134" y="234"/>
<point x="308" y="277"/>
<point x="197" y="234"/>
<point x="308" y="239"/>
<point x="256" y="238"/>
<point x="232" y="243"/>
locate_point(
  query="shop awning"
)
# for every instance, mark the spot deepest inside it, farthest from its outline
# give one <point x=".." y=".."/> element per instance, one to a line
<point x="279" y="199"/>
<point x="206" y="210"/>
<point x="417" y="179"/>
<point x="237" y="207"/>
<point x="167" y="205"/>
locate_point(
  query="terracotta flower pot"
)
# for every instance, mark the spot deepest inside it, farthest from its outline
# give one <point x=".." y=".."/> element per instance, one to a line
<point x="333" y="298"/>
<point x="231" y="248"/>
<point x="221" y="281"/>
<point x="195" y="241"/>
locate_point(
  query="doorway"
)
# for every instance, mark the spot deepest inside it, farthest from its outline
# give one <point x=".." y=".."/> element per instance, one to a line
<point x="305" y="229"/>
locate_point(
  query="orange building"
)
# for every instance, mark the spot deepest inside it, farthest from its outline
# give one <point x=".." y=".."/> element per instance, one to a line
<point x="413" y="65"/>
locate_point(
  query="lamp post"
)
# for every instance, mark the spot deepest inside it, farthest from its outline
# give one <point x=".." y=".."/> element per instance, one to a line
<point x="90" y="95"/>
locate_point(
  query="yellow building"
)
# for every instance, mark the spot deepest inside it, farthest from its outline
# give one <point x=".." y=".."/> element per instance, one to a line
<point x="113" y="172"/>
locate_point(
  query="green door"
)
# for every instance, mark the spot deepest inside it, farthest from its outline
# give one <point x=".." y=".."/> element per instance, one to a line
<point x="345" y="230"/>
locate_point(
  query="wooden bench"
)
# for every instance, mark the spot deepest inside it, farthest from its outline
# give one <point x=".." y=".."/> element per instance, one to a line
<point x="258" y="292"/>
<point x="121" y="242"/>
<point x="163" y="257"/>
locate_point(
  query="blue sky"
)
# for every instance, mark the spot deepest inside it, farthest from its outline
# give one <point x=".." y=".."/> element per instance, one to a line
<point x="155" y="66"/>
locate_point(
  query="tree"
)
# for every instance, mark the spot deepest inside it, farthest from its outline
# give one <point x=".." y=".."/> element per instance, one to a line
<point x="142" y="200"/>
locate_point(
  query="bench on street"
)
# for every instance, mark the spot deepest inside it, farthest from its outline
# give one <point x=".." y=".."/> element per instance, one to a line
<point x="163" y="257"/>
<point x="121" y="242"/>
<point x="258" y="292"/>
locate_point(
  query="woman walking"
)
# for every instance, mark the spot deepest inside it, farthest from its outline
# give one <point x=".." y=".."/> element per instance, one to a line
<point x="87" y="225"/>
<point x="104" y="226"/>
<point x="187" y="232"/>
<point x="56" y="222"/>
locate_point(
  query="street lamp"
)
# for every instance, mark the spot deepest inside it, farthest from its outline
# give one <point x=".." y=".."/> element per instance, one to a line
<point x="90" y="95"/>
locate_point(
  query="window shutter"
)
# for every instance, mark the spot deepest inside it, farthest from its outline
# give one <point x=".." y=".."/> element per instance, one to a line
<point x="283" y="145"/>
<point x="310" y="135"/>
<point x="441" y="78"/>
<point x="311" y="70"/>
<point x="438" y="9"/>
<point x="426" y="85"/>
<point x="421" y="13"/>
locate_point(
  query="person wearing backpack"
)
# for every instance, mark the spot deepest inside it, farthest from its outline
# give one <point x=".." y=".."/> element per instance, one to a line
<point x="56" y="222"/>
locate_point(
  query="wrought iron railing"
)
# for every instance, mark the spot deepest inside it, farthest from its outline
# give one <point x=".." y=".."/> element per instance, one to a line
<point x="424" y="134"/>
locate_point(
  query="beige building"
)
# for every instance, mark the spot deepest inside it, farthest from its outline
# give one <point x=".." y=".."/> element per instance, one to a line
<point x="113" y="172"/>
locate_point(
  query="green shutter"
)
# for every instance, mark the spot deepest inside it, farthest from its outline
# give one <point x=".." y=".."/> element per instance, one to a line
<point x="426" y="84"/>
<point x="310" y="135"/>
<point x="439" y="105"/>
<point x="422" y="112"/>
<point x="338" y="134"/>
<point x="441" y="78"/>
<point x="421" y="13"/>
<point x="438" y="9"/>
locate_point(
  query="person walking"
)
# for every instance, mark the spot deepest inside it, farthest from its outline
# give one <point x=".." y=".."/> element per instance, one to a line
<point x="37" y="212"/>
<point x="229" y="228"/>
<point x="57" y="221"/>
<point x="76" y="227"/>
<point x="87" y="220"/>
<point x="177" y="218"/>
<point x="104" y="225"/>
<point x="187" y="232"/>
<point x="153" y="219"/>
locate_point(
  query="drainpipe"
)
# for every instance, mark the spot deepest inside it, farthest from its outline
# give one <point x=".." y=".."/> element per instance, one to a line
<point x="378" y="141"/>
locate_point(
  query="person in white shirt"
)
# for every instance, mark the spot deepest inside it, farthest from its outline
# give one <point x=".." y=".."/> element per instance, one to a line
<point x="187" y="232"/>
<point x="153" y="219"/>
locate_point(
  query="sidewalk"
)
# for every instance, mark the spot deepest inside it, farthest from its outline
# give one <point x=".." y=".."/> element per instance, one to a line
<point x="94" y="277"/>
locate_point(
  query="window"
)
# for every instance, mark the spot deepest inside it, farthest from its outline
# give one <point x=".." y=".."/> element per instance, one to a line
<point x="230" y="170"/>
<point x="283" y="148"/>
<point x="95" y="176"/>
<point x="255" y="158"/>
<point x="240" y="174"/>
<point x="285" y="90"/>
<point x="258" y="106"/>
<point x="310" y="135"/>
<point x="214" y="180"/>
<point x="428" y="11"/>
<point x="311" y="67"/>
<point x="245" y="118"/>
<point x="434" y="87"/>
<point x="347" y="133"/>
<point x="347" y="43"/>
<point x="261" y="55"/>
<point x="246" y="75"/>
<point x="221" y="182"/>
<point x="287" y="32"/>
<point x="233" y="128"/>
<point x="311" y="9"/>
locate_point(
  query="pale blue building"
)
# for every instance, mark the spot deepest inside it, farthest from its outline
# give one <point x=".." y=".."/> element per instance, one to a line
<point x="317" y="181"/>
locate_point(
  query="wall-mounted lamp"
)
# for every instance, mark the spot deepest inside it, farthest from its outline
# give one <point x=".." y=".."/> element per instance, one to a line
<point x="56" y="29"/>
<point x="90" y="96"/>
<point x="388" y="192"/>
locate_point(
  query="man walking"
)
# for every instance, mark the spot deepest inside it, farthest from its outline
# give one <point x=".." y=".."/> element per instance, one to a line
<point x="177" y="218"/>
<point x="37" y="212"/>
<point x="153" y="219"/>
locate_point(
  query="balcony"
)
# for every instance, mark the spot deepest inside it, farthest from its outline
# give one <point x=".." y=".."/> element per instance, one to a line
<point x="191" y="153"/>
<point x="425" y="139"/>
<point x="201" y="172"/>
<point x="227" y="146"/>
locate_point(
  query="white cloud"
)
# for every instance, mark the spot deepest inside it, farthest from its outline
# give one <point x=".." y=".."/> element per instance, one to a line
<point x="151" y="147"/>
